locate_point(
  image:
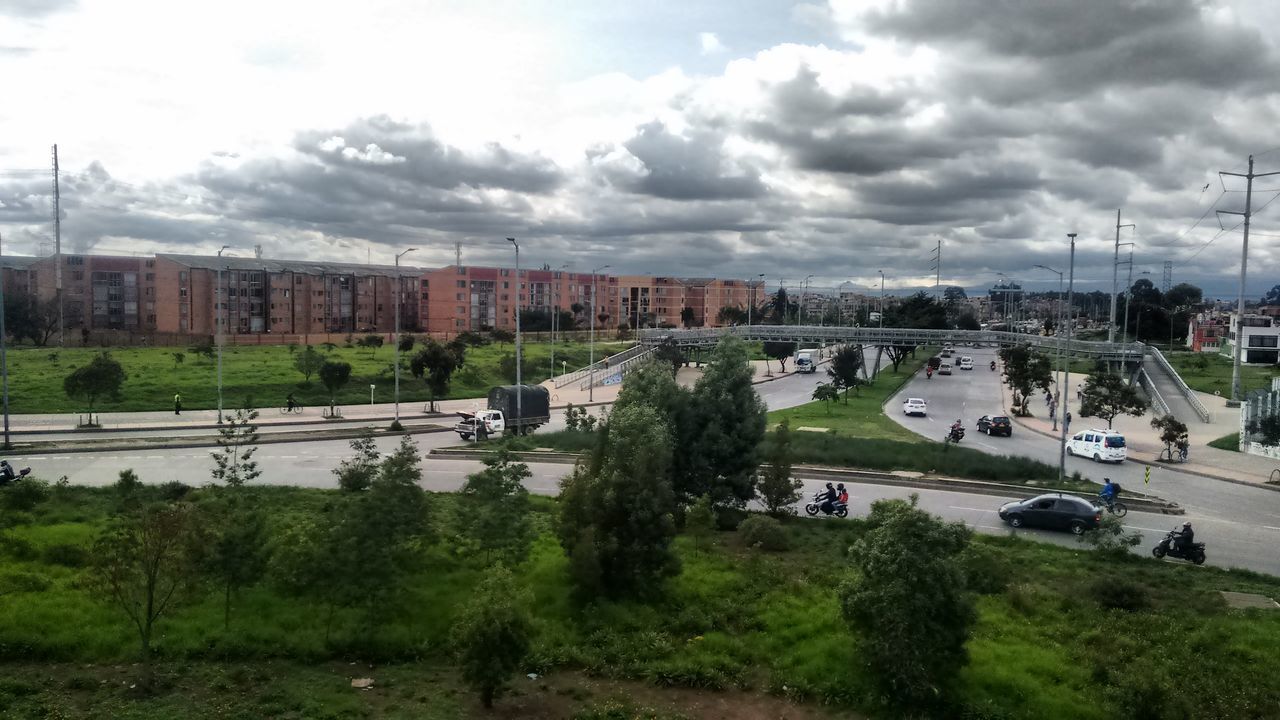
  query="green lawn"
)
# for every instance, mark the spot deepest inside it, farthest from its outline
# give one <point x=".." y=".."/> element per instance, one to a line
<point x="266" y="374"/>
<point x="1211" y="372"/>
<point x="863" y="415"/>
<point x="1061" y="632"/>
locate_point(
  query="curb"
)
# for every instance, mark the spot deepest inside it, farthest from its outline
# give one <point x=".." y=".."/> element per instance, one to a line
<point x="1164" y="466"/>
<point x="269" y="439"/>
<point x="849" y="475"/>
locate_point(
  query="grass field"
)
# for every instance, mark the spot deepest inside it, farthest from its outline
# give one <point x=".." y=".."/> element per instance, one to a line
<point x="1061" y="632"/>
<point x="1227" y="442"/>
<point x="862" y="415"/>
<point x="266" y="374"/>
<point x="1211" y="372"/>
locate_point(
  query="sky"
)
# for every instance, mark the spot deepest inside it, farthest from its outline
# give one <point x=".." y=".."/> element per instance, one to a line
<point x="687" y="138"/>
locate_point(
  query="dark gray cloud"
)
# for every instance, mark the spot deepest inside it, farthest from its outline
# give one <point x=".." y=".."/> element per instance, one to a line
<point x="665" y="165"/>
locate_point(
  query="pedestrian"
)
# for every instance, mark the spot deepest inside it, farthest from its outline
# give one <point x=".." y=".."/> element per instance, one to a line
<point x="177" y="404"/>
<point x="1048" y="398"/>
<point x="1066" y="420"/>
<point x="1079" y="393"/>
<point x="1052" y="408"/>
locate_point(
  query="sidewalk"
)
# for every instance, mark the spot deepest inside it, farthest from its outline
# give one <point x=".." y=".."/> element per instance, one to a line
<point x="1144" y="445"/>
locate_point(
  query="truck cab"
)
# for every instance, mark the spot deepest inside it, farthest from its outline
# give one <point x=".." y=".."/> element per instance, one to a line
<point x="491" y="420"/>
<point x="807" y="361"/>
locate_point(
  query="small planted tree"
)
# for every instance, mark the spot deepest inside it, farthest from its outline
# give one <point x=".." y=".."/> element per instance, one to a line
<point x="1024" y="371"/>
<point x="145" y="564"/>
<point x="493" y="634"/>
<point x="846" y="363"/>
<point x="827" y="394"/>
<point x="700" y="521"/>
<point x="101" y="378"/>
<point x="778" y="490"/>
<point x="308" y="362"/>
<point x="494" y="509"/>
<point x="357" y="473"/>
<point x="178" y="357"/>
<point x="1106" y="395"/>
<point x="237" y="442"/>
<point x="1173" y="432"/>
<point x="780" y="351"/>
<point x="235" y="552"/>
<point x="334" y="374"/>
<point x="371" y="343"/>
<point x="1110" y="538"/>
<point x="435" y="363"/>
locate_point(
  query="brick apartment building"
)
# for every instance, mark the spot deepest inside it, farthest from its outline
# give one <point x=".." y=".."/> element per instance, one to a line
<point x="187" y="295"/>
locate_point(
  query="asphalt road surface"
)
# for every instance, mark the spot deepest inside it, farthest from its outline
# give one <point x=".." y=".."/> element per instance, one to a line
<point x="1241" y="524"/>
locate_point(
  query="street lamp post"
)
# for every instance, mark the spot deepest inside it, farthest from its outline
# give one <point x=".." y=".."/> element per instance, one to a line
<point x="804" y="297"/>
<point x="881" y="299"/>
<point x="217" y="316"/>
<point x="4" y="358"/>
<point x="1059" y="350"/>
<point x="399" y="299"/>
<point x="751" y="297"/>
<point x="555" y="312"/>
<point x="519" y="379"/>
<point x="1066" y="370"/>
<point x="591" y="382"/>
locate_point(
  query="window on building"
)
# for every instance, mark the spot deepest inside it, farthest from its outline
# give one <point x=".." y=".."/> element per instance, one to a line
<point x="151" y="276"/>
<point x="462" y="283"/>
<point x="461" y="297"/>
<point x="1263" y="341"/>
<point x="461" y="309"/>
<point x="75" y="260"/>
<point x="182" y="277"/>
<point x="182" y="292"/>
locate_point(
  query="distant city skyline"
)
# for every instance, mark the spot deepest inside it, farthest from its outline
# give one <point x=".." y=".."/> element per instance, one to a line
<point x="832" y="138"/>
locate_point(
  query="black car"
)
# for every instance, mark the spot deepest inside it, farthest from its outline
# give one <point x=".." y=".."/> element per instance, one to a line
<point x="1055" y="511"/>
<point x="995" y="425"/>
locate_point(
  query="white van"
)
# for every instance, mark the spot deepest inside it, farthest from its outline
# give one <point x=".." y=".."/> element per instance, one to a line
<point x="966" y="363"/>
<point x="1100" y="445"/>
<point x="807" y="361"/>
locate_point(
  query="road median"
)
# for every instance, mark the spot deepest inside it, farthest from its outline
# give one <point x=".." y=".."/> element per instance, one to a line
<point x="175" y="443"/>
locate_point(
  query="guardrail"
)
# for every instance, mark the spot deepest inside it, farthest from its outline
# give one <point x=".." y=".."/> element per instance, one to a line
<point x="601" y="364"/>
<point x="1156" y="398"/>
<point x="623" y="367"/>
<point x="1187" y="392"/>
<point x="889" y="336"/>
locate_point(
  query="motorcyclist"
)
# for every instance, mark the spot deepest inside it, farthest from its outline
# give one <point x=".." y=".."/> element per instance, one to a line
<point x="827" y="498"/>
<point x="1182" y="539"/>
<point x="956" y="428"/>
<point x="928" y="373"/>
<point x="993" y="365"/>
<point x="6" y="472"/>
<point x="842" y="495"/>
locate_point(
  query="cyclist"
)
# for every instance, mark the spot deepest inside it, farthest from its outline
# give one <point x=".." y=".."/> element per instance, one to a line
<point x="290" y="403"/>
<point x="1110" y="492"/>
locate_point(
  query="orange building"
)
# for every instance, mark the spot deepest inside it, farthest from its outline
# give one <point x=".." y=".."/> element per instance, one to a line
<point x="469" y="298"/>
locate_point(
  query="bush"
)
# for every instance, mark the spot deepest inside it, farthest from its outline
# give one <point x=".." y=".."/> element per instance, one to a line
<point x="985" y="571"/>
<point x="174" y="491"/>
<point x="765" y="533"/>
<point x="1119" y="593"/>
<point x="16" y="548"/>
<point x="24" y="495"/>
<point x="729" y="518"/>
<point x="66" y="555"/>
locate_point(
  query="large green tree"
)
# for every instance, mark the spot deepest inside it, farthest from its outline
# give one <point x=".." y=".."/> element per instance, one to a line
<point x="436" y="363"/>
<point x="727" y="425"/>
<point x="102" y="377"/>
<point x="617" y="519"/>
<point x="908" y="602"/>
<point x="334" y="375"/>
<point x="1107" y="395"/>
<point x="846" y="364"/>
<point x="493" y="634"/>
<point x="1024" y="371"/>
<point x="493" y="510"/>
<point x="780" y="351"/>
<point x="777" y="488"/>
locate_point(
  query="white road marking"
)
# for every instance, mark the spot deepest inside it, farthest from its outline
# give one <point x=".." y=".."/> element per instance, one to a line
<point x="961" y="507"/>
<point x="1268" y="527"/>
<point x="989" y="447"/>
<point x="1136" y="527"/>
<point x="993" y="527"/>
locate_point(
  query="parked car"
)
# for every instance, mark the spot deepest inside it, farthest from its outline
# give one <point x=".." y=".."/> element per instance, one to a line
<point x="1054" y="511"/>
<point x="1098" y="445"/>
<point x="944" y="368"/>
<point x="995" y="425"/>
<point x="914" y="406"/>
<point x="966" y="363"/>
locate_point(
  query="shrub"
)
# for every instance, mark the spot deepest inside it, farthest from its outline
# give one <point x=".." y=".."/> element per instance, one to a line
<point x="1119" y="593"/>
<point x="24" y="495"/>
<point x="66" y="555"/>
<point x="985" y="572"/>
<point x="765" y="533"/>
<point x="729" y="518"/>
<point x="173" y="491"/>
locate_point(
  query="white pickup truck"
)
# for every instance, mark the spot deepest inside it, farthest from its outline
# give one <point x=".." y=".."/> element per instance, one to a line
<point x="807" y="361"/>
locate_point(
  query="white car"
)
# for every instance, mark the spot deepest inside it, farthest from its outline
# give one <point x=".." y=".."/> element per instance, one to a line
<point x="1098" y="445"/>
<point x="944" y="368"/>
<point x="966" y="363"/>
<point x="914" y="406"/>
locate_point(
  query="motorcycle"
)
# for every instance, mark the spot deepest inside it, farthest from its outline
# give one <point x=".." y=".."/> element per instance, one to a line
<point x="993" y="366"/>
<point x="10" y="477"/>
<point x="1195" y="553"/>
<point x="955" y="435"/>
<point x="838" y="508"/>
<point x="928" y="374"/>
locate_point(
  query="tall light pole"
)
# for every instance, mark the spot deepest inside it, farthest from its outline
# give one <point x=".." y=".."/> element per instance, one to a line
<point x="804" y="294"/>
<point x="1059" y="358"/>
<point x="751" y="296"/>
<point x="881" y="299"/>
<point x="399" y="299"/>
<point x="1115" y="267"/>
<point x="555" y="312"/>
<point x="217" y="315"/>
<point x="1066" y="370"/>
<point x="591" y="383"/>
<point x="519" y="293"/>
<point x="4" y="358"/>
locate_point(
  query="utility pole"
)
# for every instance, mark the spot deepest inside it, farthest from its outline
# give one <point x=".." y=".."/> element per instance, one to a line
<point x="881" y="299"/>
<point x="937" y="267"/>
<point x="519" y="379"/>
<point x="555" y="314"/>
<point x="591" y="383"/>
<point x="399" y="300"/>
<point x="57" y="248"/>
<point x="1066" y="370"/>
<point x="4" y="357"/>
<point x="1244" y="266"/>
<point x="1115" y="267"/>
<point x="217" y="319"/>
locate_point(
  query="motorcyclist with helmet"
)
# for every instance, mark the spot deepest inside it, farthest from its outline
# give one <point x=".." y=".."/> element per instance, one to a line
<point x="828" y="498"/>
<point x="1184" y="538"/>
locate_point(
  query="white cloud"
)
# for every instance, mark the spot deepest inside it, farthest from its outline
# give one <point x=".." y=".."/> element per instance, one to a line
<point x="710" y="43"/>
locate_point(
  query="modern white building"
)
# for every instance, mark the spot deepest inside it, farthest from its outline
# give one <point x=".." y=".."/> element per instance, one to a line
<point x="1261" y="339"/>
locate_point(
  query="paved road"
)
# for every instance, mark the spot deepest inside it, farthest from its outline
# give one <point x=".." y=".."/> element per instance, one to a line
<point x="1241" y="523"/>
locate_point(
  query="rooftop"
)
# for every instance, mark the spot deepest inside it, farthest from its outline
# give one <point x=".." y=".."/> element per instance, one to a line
<point x="303" y="267"/>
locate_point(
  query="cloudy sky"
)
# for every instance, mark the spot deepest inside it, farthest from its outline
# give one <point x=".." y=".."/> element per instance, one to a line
<point x="666" y="137"/>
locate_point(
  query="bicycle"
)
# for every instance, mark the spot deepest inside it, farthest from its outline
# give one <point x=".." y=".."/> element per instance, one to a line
<point x="331" y="413"/>
<point x="295" y="410"/>
<point x="1115" y="507"/>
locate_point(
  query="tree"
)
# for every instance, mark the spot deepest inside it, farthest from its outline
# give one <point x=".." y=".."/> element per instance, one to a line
<point x="778" y="490"/>
<point x="670" y="353"/>
<point x="617" y="510"/>
<point x="178" y="358"/>
<point x="205" y="348"/>
<point x="102" y="377"/>
<point x="371" y="343"/>
<point x="145" y="564"/>
<point x="780" y="351"/>
<point x="908" y="601"/>
<point x="898" y="353"/>
<point x="827" y="394"/>
<point x="334" y="375"/>
<point x="1024" y="371"/>
<point x="781" y="308"/>
<point x="493" y="634"/>
<point x="235" y="553"/>
<point x="700" y="521"/>
<point x="1272" y="297"/>
<point x="308" y="362"/>
<point x="726" y="426"/>
<point x="687" y="317"/>
<point x="436" y="363"/>
<point x="1182" y="296"/>
<point x="494" y="509"/>
<point x="968" y="321"/>
<point x="919" y="311"/>
<point x="1110" y="538"/>
<point x="1106" y="395"/>
<point x="502" y="337"/>
<point x="237" y="442"/>
<point x="846" y="363"/>
<point x="954" y="295"/>
<point x="731" y="315"/>
<point x="356" y="474"/>
<point x="407" y="342"/>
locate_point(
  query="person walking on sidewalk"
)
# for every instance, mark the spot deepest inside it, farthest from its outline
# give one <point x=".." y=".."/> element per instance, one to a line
<point x="177" y="404"/>
<point x="1066" y="421"/>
